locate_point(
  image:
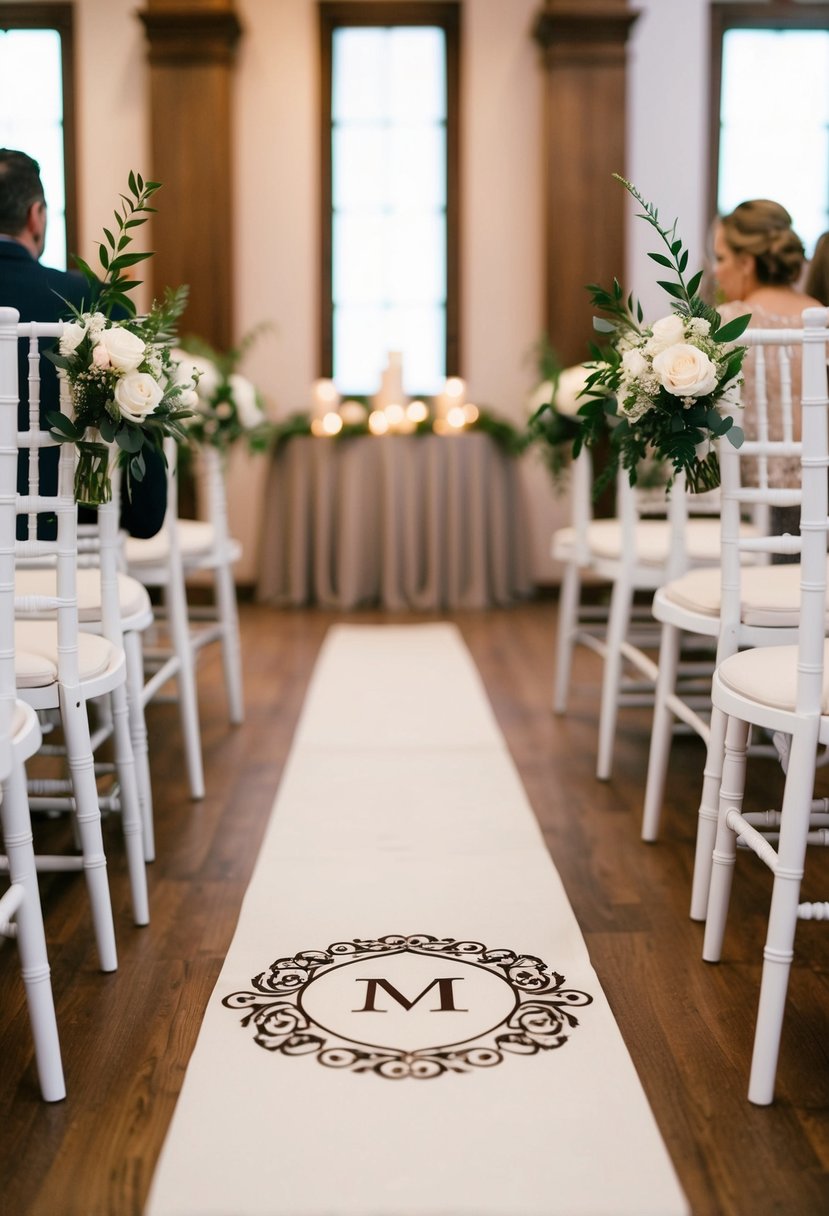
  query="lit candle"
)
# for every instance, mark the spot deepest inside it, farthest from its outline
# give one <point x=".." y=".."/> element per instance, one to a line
<point x="324" y="397"/>
<point x="454" y="391"/>
<point x="332" y="423"/>
<point x="394" y="414"/>
<point x="378" y="423"/>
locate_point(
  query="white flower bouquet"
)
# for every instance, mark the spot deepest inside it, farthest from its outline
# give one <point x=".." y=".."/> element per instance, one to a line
<point x="664" y="390"/>
<point x="120" y="372"/>
<point x="226" y="405"/>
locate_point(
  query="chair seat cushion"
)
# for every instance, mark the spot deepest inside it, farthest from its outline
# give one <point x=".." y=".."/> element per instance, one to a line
<point x="132" y="595"/>
<point x="768" y="674"/>
<point x="770" y="595"/>
<point x="36" y="654"/>
<point x="653" y="539"/>
<point x="196" y="539"/>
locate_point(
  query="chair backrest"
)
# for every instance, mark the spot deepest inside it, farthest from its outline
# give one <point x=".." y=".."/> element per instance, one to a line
<point x="8" y="510"/>
<point x="62" y="549"/>
<point x="770" y="469"/>
<point x="213" y="495"/>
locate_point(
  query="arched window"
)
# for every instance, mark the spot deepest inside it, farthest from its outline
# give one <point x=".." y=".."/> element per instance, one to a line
<point x="389" y="185"/>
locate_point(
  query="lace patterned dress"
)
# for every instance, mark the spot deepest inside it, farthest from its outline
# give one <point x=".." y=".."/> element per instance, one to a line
<point x="786" y="470"/>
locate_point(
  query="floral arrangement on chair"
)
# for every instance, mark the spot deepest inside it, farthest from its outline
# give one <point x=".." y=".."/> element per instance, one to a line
<point x="661" y="391"/>
<point x="554" y="423"/>
<point x="227" y="405"/>
<point x="120" y="372"/>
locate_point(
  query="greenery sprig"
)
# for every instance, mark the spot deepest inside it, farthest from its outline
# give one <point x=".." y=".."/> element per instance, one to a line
<point x="112" y="254"/>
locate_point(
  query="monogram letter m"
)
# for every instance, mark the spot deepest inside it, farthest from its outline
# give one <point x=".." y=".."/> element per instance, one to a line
<point x="444" y="987"/>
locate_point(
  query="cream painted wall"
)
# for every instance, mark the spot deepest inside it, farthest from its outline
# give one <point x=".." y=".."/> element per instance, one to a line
<point x="275" y="190"/>
<point x="667" y="134"/>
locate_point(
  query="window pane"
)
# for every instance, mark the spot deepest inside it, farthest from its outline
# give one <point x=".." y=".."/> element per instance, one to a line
<point x="389" y="183"/>
<point x="417" y="74"/>
<point x="774" y="111"/>
<point x="31" y="119"/>
<point x="359" y="256"/>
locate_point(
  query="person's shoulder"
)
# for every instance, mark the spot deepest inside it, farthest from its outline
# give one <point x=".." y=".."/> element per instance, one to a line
<point x="70" y="285"/>
<point x="732" y="309"/>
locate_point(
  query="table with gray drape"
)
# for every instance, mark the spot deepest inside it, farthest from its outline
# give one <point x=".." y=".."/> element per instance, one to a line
<point x="419" y="522"/>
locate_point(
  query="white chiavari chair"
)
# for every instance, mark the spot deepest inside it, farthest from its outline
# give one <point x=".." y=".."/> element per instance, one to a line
<point x="781" y="689"/>
<point x="157" y="563"/>
<point x="739" y="604"/>
<point x="61" y="669"/>
<point x="20" y="737"/>
<point x="206" y="547"/>
<point x="653" y="537"/>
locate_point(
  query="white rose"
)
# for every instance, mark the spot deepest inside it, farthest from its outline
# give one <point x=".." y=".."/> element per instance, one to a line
<point x="571" y="382"/>
<point x="125" y="349"/>
<point x="685" y="371"/>
<point x="634" y="364"/>
<point x="137" y="395"/>
<point x="666" y="332"/>
<point x="247" y="407"/>
<point x="71" y="338"/>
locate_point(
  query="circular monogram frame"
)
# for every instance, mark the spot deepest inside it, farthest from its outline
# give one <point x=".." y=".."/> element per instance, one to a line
<point x="541" y="1019"/>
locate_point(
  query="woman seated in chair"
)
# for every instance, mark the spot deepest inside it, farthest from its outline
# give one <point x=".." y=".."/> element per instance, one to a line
<point x="758" y="260"/>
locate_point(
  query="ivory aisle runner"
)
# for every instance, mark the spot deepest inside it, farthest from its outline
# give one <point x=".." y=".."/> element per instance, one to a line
<point x="407" y="1022"/>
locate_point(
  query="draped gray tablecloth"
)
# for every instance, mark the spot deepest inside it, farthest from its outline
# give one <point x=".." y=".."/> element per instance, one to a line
<point x="401" y="521"/>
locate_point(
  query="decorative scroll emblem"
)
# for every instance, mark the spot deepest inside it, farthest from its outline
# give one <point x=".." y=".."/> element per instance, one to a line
<point x="413" y="1006"/>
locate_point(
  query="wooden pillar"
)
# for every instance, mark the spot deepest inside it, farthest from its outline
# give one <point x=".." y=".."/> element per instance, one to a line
<point x="191" y="47"/>
<point x="583" y="53"/>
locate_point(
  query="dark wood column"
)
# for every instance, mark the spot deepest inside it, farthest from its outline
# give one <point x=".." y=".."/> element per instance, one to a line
<point x="583" y="44"/>
<point x="191" y="47"/>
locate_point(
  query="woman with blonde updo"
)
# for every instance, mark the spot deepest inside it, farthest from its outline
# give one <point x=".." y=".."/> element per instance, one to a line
<point x="758" y="259"/>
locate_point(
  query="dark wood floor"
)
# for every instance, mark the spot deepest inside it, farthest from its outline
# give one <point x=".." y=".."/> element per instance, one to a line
<point x="127" y="1037"/>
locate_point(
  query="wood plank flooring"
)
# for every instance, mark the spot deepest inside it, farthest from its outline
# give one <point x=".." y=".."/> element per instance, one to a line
<point x="127" y="1037"/>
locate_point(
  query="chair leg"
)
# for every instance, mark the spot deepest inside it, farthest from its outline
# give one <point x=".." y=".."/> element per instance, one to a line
<point x="708" y="814"/>
<point x="779" y="948"/>
<point x="568" y="605"/>
<point x="725" y="849"/>
<point x="31" y="938"/>
<point x="176" y="602"/>
<point x="661" y="732"/>
<point x="617" y="630"/>
<point x="225" y="590"/>
<point x="138" y="736"/>
<point x="130" y="806"/>
<point x="88" y="816"/>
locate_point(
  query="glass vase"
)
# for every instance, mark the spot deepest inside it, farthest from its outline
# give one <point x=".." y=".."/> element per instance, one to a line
<point x="93" y="487"/>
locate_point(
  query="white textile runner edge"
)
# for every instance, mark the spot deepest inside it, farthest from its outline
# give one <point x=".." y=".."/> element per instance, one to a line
<point x="400" y="813"/>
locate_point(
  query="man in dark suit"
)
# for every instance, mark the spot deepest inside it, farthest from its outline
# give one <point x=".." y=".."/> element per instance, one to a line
<point x="38" y="293"/>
